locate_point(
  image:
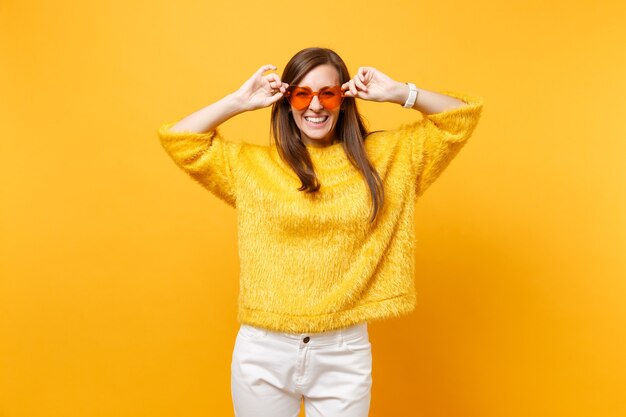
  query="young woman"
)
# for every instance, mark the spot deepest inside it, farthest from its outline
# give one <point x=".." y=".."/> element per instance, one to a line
<point x="325" y="223"/>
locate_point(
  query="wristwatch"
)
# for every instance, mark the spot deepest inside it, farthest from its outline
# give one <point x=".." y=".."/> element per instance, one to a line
<point x="412" y="96"/>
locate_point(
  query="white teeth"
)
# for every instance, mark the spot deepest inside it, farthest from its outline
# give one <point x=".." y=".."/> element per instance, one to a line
<point x="316" y="119"/>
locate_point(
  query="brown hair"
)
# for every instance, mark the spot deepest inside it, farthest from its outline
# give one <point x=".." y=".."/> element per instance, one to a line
<point x="350" y="130"/>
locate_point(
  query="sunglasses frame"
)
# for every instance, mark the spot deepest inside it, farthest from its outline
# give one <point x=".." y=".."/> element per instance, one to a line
<point x="288" y="95"/>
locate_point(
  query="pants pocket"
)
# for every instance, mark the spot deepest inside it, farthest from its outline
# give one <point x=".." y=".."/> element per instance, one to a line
<point x="252" y="332"/>
<point x="360" y="343"/>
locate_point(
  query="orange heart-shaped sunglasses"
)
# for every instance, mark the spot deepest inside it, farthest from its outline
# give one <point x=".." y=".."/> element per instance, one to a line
<point x="300" y="97"/>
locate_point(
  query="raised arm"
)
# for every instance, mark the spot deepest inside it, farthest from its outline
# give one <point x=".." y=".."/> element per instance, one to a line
<point x="209" y="117"/>
<point x="433" y="141"/>
<point x="257" y="92"/>
<point x="196" y="146"/>
<point x="428" y="102"/>
<point x="371" y="84"/>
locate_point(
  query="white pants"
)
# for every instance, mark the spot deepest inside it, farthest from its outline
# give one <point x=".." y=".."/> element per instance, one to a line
<point x="273" y="372"/>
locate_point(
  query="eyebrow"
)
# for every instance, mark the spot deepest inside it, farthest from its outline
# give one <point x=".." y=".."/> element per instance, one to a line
<point x="299" y="85"/>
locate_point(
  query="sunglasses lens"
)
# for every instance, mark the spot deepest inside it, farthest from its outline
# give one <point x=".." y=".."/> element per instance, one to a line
<point x="300" y="98"/>
<point x="331" y="97"/>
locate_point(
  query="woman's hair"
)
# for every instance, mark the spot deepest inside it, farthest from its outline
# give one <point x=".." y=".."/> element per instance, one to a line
<point x="349" y="129"/>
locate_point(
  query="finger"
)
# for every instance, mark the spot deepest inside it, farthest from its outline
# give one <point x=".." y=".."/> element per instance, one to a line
<point x="361" y="78"/>
<point x="362" y="71"/>
<point x="273" y="80"/>
<point x="273" y="77"/>
<point x="359" y="82"/>
<point x="344" y="89"/>
<point x="282" y="87"/>
<point x="264" y="68"/>
<point x="353" y="88"/>
<point x="273" y="99"/>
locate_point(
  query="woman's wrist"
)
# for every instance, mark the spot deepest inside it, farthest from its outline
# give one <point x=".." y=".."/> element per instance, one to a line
<point x="235" y="103"/>
<point x="399" y="93"/>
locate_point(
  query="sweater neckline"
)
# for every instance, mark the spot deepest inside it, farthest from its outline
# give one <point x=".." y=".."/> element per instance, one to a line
<point x="327" y="158"/>
<point x="334" y="150"/>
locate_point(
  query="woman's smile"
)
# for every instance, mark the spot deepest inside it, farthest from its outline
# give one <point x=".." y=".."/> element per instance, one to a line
<point x="316" y="121"/>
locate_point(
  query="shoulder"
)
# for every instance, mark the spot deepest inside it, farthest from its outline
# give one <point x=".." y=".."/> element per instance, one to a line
<point x="385" y="141"/>
<point x="253" y="150"/>
<point x="256" y="156"/>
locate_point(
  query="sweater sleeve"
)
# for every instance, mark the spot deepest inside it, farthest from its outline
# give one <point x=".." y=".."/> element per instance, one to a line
<point x="437" y="138"/>
<point x="206" y="157"/>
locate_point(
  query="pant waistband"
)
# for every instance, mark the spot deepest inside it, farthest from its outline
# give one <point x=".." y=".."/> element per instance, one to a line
<point x="330" y="337"/>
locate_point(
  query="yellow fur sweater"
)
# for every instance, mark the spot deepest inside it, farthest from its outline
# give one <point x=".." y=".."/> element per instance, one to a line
<point x="310" y="262"/>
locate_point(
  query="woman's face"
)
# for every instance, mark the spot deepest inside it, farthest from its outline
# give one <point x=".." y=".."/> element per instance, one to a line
<point x="316" y="123"/>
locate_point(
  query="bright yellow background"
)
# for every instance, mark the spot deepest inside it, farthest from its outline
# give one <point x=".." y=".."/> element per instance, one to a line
<point x="119" y="274"/>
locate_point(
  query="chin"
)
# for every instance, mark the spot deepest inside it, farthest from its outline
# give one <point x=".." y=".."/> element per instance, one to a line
<point x="321" y="137"/>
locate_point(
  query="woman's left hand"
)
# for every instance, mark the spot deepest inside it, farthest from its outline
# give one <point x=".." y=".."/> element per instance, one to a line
<point x="371" y="84"/>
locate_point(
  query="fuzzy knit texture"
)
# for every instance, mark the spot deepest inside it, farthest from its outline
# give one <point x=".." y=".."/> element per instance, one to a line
<point x="311" y="262"/>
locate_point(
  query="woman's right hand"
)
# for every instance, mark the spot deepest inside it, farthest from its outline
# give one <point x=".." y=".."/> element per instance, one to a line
<point x="261" y="90"/>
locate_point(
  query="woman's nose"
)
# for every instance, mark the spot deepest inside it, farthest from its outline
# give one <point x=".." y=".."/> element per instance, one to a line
<point x="316" y="104"/>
